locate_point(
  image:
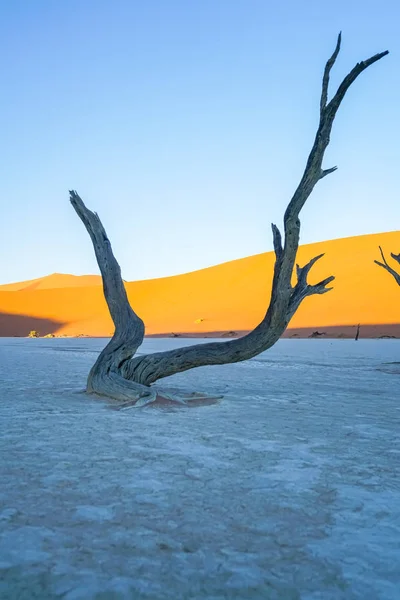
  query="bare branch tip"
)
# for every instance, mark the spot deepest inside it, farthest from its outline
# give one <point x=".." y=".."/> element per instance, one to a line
<point x="312" y="262"/>
<point x="383" y="255"/>
<point x="334" y="56"/>
<point x="322" y="284"/>
<point x="74" y="197"/>
<point x="325" y="80"/>
<point x="373" y="59"/>
<point x="275" y="229"/>
<point x="377" y="262"/>
<point x="326" y="172"/>
<point x="277" y="238"/>
<point x="395" y="257"/>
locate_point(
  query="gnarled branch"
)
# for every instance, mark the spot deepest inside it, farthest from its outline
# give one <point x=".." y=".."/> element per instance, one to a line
<point x="387" y="267"/>
<point x="302" y="289"/>
<point x="105" y="376"/>
<point x="285" y="299"/>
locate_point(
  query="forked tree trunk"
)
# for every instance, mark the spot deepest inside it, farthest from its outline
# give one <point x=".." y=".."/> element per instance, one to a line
<point x="120" y="377"/>
<point x="387" y="267"/>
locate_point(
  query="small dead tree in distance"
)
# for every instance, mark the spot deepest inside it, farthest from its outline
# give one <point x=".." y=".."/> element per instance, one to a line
<point x="387" y="267"/>
<point x="127" y="380"/>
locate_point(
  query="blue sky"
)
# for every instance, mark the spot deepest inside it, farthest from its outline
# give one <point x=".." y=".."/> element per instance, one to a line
<point x="186" y="125"/>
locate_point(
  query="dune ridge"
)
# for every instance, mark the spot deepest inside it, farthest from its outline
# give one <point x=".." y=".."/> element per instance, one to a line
<point x="224" y="300"/>
<point x="55" y="280"/>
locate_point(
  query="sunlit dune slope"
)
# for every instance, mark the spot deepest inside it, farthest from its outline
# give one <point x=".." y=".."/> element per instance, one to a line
<point x="228" y="297"/>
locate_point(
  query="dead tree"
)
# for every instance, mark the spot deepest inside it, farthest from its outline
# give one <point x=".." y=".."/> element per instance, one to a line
<point x="127" y="380"/>
<point x="387" y="267"/>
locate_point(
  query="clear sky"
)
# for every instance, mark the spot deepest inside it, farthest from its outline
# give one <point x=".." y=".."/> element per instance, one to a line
<point x="186" y="125"/>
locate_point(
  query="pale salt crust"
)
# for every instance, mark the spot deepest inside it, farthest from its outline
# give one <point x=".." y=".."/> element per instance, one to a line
<point x="287" y="489"/>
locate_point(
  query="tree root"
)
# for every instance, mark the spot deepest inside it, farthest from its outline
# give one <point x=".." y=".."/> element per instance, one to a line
<point x="160" y="398"/>
<point x="123" y="393"/>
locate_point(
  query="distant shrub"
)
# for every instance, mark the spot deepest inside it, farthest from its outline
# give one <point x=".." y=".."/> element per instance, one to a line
<point x="33" y="334"/>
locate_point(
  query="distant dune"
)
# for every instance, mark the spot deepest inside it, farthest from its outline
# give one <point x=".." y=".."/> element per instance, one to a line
<point x="56" y="280"/>
<point x="226" y="300"/>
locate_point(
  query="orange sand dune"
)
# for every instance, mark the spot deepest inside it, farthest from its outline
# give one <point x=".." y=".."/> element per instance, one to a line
<point x="228" y="297"/>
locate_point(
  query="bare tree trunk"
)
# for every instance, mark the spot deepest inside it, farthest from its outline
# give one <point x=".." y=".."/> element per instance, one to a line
<point x="119" y="377"/>
<point x="387" y="267"/>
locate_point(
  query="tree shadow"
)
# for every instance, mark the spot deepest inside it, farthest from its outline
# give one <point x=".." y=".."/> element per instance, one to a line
<point x="21" y="325"/>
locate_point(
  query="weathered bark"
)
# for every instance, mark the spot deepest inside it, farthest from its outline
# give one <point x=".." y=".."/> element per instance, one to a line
<point x="387" y="267"/>
<point x="119" y="377"/>
<point x="105" y="376"/>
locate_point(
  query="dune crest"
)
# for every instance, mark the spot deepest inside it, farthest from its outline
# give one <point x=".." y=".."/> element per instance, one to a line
<point x="55" y="280"/>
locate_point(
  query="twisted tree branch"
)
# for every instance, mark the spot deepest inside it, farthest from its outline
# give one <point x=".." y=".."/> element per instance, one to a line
<point x="303" y="289"/>
<point x="105" y="376"/>
<point x="114" y="367"/>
